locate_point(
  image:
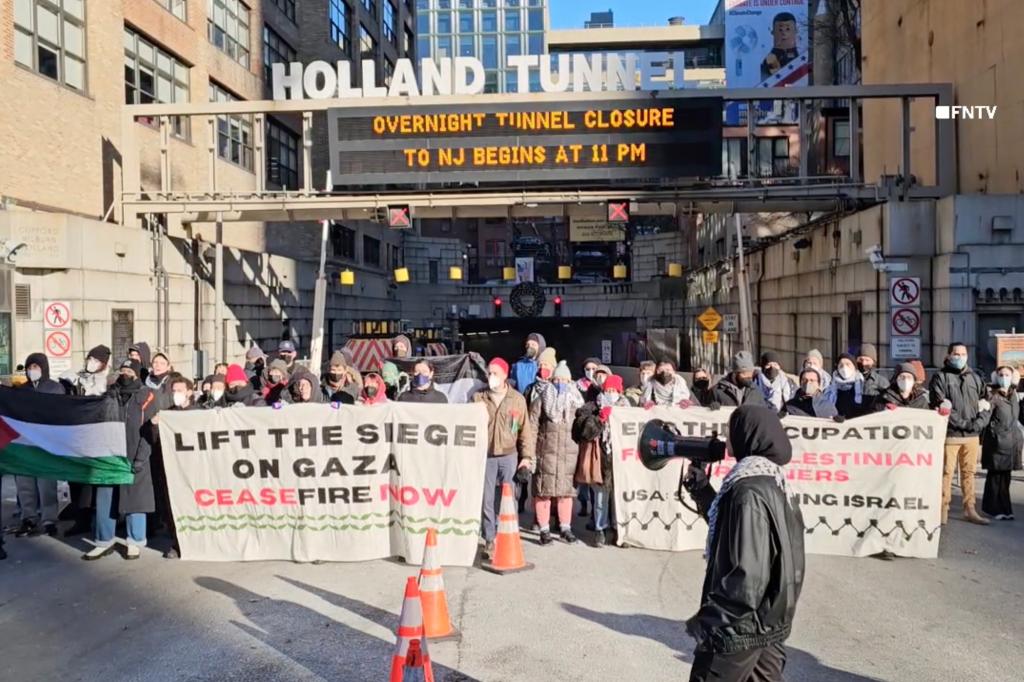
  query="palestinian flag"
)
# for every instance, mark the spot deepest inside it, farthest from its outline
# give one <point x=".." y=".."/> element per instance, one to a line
<point x="457" y="376"/>
<point x="62" y="438"/>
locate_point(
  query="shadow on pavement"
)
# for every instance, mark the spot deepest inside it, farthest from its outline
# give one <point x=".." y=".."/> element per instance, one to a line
<point x="316" y="642"/>
<point x="800" y="665"/>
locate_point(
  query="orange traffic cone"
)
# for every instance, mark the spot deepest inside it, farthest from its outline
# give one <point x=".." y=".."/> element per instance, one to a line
<point x="410" y="633"/>
<point x="437" y="624"/>
<point x="508" y="546"/>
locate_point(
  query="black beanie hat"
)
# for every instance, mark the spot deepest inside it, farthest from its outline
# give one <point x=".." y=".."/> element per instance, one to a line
<point x="101" y="353"/>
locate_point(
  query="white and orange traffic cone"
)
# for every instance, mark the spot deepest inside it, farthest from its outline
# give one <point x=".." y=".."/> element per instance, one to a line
<point x="508" y="546"/>
<point x="437" y="623"/>
<point x="411" y="647"/>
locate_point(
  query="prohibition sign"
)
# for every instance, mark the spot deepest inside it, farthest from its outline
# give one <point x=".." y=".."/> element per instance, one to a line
<point x="906" y="321"/>
<point x="58" y="344"/>
<point x="57" y="315"/>
<point x="905" y="290"/>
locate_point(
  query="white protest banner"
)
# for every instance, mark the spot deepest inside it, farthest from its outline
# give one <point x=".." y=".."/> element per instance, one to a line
<point x="865" y="485"/>
<point x="311" y="482"/>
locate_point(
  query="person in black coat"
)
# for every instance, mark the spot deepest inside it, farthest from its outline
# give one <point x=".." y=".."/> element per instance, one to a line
<point x="38" y="496"/>
<point x="239" y="391"/>
<point x="874" y="383"/>
<point x="701" y="389"/>
<point x="737" y="387"/>
<point x="1001" y="445"/>
<point x="810" y="400"/>
<point x="136" y="405"/>
<point x="904" y="391"/>
<point x="422" y="386"/>
<point x="846" y="390"/>
<point x="755" y="555"/>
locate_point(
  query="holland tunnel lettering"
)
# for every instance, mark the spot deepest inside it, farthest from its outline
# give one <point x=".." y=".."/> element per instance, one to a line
<point x="431" y="144"/>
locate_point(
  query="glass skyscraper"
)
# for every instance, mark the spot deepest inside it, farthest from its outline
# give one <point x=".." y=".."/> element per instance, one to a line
<point x="490" y="30"/>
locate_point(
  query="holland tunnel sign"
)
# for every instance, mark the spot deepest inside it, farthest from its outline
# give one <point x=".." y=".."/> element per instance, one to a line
<point x="522" y="142"/>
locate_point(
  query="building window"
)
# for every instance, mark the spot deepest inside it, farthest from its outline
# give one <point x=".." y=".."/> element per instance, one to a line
<point x="535" y="20"/>
<point x="733" y="157"/>
<point x="433" y="268"/>
<point x="512" y="21"/>
<point x="444" y="47"/>
<point x="371" y="251"/>
<point x="841" y="137"/>
<point x="176" y="7"/>
<point x="228" y="26"/>
<point x="489" y="21"/>
<point x="275" y="51"/>
<point x="407" y="46"/>
<point x="444" y="22"/>
<point x="490" y="52"/>
<point x="338" y="15"/>
<point x="422" y="47"/>
<point x="49" y="38"/>
<point x="282" y="156"/>
<point x="535" y="43"/>
<point x="494" y="252"/>
<point x="367" y="45"/>
<point x="154" y="75"/>
<point x="513" y="44"/>
<point x="422" y="24"/>
<point x="343" y="241"/>
<point x="371" y="7"/>
<point x="389" y="71"/>
<point x="234" y="133"/>
<point x="389" y="23"/>
<point x="466" y="21"/>
<point x="773" y="157"/>
<point x="466" y="46"/>
<point x="287" y="8"/>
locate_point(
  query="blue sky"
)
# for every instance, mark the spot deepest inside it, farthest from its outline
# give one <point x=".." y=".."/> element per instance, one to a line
<point x="572" y="13"/>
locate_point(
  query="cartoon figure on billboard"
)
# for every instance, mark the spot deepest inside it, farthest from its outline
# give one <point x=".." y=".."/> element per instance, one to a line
<point x="785" y="48"/>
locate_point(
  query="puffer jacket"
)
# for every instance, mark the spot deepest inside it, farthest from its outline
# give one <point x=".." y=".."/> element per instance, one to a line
<point x="556" y="451"/>
<point x="509" y="430"/>
<point x="749" y="602"/>
<point x="963" y="388"/>
<point x="1002" y="440"/>
<point x="891" y="396"/>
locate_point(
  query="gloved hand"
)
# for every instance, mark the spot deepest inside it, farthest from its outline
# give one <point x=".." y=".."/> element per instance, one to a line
<point x="523" y="475"/>
<point x="984" y="405"/>
<point x="945" y="407"/>
<point x="839" y="419"/>
<point x="606" y="412"/>
<point x="714" y="405"/>
<point x="695" y="479"/>
<point x="891" y="406"/>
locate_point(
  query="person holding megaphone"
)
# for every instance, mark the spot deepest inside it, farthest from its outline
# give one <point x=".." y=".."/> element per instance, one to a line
<point x="755" y="555"/>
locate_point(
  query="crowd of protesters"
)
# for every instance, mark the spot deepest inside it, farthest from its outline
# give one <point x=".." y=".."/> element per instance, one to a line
<point x="547" y="432"/>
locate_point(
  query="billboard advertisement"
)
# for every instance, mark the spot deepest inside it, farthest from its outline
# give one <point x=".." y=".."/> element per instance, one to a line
<point x="766" y="46"/>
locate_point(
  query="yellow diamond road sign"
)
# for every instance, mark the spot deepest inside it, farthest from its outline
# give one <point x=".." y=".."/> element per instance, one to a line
<point x="710" y="319"/>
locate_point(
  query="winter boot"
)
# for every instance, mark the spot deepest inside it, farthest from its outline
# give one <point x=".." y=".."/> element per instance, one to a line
<point x="568" y="536"/>
<point x="545" y="536"/>
<point x="599" y="538"/>
<point x="973" y="517"/>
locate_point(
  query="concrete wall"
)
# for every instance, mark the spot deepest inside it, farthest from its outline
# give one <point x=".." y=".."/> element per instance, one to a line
<point x="975" y="46"/>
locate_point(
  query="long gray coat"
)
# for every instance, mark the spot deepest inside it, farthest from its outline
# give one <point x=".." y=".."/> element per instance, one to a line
<point x="137" y="413"/>
<point x="556" y="453"/>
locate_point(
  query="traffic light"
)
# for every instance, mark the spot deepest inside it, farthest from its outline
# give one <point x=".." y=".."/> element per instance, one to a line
<point x="399" y="217"/>
<point x="618" y="211"/>
<point x="497" y="306"/>
<point x="558" y="306"/>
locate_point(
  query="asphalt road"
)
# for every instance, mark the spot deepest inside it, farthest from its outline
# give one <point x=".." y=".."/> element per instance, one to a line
<point x="582" y="614"/>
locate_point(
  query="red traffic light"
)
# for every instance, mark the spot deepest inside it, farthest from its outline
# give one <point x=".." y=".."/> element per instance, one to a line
<point x="558" y="300"/>
<point x="497" y="300"/>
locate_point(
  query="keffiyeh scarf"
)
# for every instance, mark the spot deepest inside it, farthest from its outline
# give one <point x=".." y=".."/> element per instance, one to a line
<point x="748" y="467"/>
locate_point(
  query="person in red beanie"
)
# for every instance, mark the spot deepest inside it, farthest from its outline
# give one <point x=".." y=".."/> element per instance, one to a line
<point x="510" y="442"/>
<point x="594" y="466"/>
<point x="240" y="392"/>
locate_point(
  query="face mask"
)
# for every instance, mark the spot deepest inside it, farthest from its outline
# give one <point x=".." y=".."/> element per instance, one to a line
<point x="180" y="399"/>
<point x="611" y="396"/>
<point x="216" y="394"/>
<point x="589" y="374"/>
<point x="808" y="388"/>
<point x="420" y="380"/>
<point x="771" y="373"/>
<point x="34" y="374"/>
<point x="275" y="378"/>
<point x="663" y="377"/>
<point x="600" y="379"/>
<point x="92" y="365"/>
<point x="1004" y="381"/>
<point x="126" y="380"/>
<point x="701" y="383"/>
<point x="371" y="391"/>
<point x="905" y="384"/>
<point x="645" y="377"/>
<point x="336" y="374"/>
<point x="957" y="361"/>
<point x="545" y="373"/>
<point x="531" y="352"/>
<point x="495" y="383"/>
<point x="744" y="382"/>
<point x="561" y="388"/>
<point x="846" y="372"/>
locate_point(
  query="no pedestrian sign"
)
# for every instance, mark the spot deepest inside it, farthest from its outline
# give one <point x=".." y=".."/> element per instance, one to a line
<point x="57" y="315"/>
<point x="904" y="291"/>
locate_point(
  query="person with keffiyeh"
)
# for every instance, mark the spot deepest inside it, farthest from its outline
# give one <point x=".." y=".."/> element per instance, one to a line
<point x="666" y="388"/>
<point x="778" y="389"/>
<point x="846" y="391"/>
<point x="755" y="555"/>
<point x="551" y="416"/>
